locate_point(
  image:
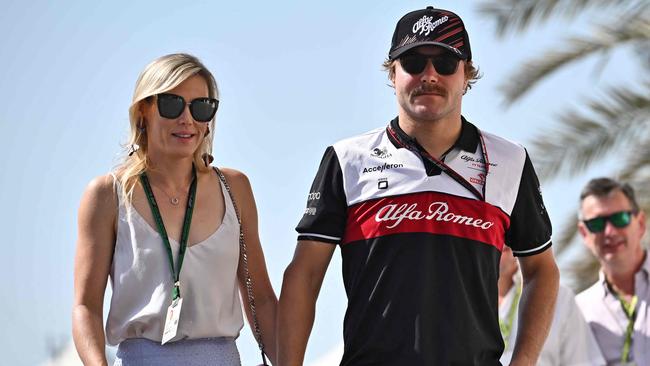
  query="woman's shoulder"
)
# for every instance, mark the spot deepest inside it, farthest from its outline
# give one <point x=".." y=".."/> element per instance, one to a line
<point x="99" y="203"/>
<point x="101" y="189"/>
<point x="239" y="184"/>
<point x="233" y="173"/>
<point x="235" y="178"/>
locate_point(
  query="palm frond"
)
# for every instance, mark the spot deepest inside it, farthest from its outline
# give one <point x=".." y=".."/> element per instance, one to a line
<point x="637" y="166"/>
<point x="518" y="15"/>
<point x="621" y="118"/>
<point x="634" y="31"/>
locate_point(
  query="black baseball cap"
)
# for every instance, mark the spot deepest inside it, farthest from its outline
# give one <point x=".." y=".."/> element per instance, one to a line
<point x="430" y="26"/>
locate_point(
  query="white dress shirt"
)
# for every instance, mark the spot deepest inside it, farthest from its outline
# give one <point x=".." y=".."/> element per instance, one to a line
<point x="608" y="321"/>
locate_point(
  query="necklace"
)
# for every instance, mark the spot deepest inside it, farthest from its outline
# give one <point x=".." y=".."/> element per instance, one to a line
<point x="174" y="200"/>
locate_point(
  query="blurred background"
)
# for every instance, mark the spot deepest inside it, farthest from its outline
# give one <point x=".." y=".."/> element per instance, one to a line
<point x="567" y="79"/>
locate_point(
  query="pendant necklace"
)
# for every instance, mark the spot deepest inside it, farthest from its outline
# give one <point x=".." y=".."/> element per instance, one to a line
<point x="173" y="200"/>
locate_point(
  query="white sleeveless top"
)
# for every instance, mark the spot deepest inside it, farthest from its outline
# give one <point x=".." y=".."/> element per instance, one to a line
<point x="142" y="282"/>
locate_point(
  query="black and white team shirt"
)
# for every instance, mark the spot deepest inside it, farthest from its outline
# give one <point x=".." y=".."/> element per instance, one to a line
<point x="420" y="251"/>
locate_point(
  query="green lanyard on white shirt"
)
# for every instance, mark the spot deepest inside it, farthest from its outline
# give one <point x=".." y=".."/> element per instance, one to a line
<point x="187" y="221"/>
<point x="506" y="327"/>
<point x="630" y="312"/>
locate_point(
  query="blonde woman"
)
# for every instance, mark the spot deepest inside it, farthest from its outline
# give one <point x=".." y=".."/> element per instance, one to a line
<point x="164" y="227"/>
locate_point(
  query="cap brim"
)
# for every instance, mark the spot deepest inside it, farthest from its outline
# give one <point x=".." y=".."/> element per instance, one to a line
<point x="398" y="52"/>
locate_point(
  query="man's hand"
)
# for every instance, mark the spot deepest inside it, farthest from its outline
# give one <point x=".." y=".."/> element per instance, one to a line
<point x="300" y="287"/>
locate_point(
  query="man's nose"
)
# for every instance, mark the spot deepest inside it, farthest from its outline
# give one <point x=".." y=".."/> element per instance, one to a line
<point x="429" y="74"/>
<point x="610" y="229"/>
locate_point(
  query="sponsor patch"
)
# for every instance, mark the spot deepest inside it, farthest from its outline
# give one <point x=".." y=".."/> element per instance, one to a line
<point x="310" y="211"/>
<point x="381" y="153"/>
<point x="479" y="179"/>
<point x="381" y="168"/>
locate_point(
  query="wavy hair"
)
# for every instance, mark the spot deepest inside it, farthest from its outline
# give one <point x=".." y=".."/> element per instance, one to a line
<point x="159" y="76"/>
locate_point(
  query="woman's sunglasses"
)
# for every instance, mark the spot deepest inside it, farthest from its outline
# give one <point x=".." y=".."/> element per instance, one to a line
<point x="171" y="106"/>
<point x="618" y="219"/>
<point x="415" y="63"/>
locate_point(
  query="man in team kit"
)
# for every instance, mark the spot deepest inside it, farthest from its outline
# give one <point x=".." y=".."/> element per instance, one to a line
<point x="422" y="209"/>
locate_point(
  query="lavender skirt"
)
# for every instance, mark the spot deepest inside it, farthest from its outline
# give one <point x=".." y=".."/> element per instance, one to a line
<point x="191" y="352"/>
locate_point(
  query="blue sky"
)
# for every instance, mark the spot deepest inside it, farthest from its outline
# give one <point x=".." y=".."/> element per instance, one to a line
<point x="294" y="77"/>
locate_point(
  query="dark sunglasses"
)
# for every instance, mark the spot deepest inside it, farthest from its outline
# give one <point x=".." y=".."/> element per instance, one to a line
<point x="618" y="219"/>
<point x="171" y="106"/>
<point x="415" y="63"/>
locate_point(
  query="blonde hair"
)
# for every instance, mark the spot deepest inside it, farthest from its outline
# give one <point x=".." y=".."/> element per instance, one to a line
<point x="472" y="72"/>
<point x="161" y="75"/>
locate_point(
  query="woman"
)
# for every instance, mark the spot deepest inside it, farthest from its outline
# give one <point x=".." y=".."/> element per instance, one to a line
<point x="165" y="227"/>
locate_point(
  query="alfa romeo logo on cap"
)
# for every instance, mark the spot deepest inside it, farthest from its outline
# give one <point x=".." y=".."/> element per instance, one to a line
<point x="425" y="24"/>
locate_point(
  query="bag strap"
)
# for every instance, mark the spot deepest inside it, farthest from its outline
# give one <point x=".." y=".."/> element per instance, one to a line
<point x="257" y="333"/>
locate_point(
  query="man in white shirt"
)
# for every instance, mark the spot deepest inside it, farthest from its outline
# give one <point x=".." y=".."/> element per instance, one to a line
<point x="616" y="306"/>
<point x="570" y="341"/>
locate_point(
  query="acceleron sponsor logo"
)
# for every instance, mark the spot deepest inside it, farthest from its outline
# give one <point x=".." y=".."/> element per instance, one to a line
<point x="381" y="168"/>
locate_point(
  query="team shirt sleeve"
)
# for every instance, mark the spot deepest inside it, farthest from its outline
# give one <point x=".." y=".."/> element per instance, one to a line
<point x="326" y="213"/>
<point x="530" y="227"/>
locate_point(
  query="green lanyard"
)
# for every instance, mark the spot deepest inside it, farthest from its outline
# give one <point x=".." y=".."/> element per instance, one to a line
<point x="163" y="233"/>
<point x="506" y="327"/>
<point x="630" y="312"/>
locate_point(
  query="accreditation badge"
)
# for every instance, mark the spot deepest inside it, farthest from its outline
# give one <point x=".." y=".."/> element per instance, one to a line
<point x="171" y="321"/>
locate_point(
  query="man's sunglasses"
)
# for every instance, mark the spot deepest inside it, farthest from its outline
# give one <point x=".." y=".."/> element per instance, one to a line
<point x="171" y="106"/>
<point x="618" y="219"/>
<point x="415" y="63"/>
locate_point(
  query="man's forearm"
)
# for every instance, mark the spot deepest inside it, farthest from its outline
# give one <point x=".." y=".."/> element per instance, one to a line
<point x="536" y="310"/>
<point x="295" y="319"/>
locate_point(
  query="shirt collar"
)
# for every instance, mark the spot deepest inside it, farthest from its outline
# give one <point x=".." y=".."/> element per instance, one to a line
<point x="467" y="141"/>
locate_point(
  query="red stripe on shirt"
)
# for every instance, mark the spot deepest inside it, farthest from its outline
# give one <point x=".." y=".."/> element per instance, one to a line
<point x="427" y="212"/>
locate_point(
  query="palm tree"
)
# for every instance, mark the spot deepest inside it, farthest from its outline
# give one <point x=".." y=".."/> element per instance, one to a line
<point x="616" y="120"/>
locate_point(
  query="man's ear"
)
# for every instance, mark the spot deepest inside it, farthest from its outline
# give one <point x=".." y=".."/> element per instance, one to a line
<point x="582" y="229"/>
<point x="642" y="221"/>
